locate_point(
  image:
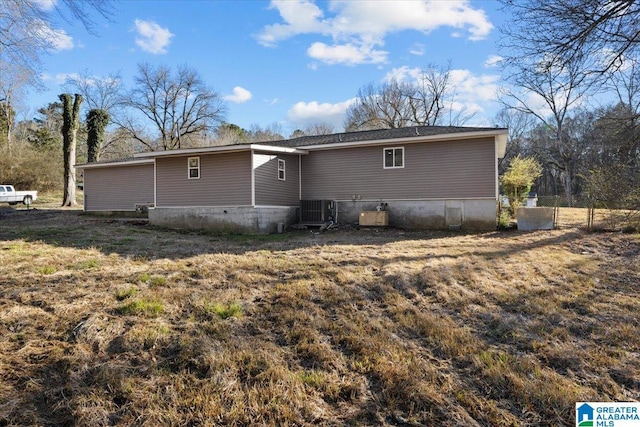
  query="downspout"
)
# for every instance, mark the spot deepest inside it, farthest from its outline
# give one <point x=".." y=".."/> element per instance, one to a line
<point x="84" y="191"/>
<point x="496" y="170"/>
<point x="299" y="177"/>
<point x="155" y="182"/>
<point x="253" y="180"/>
<point x="497" y="192"/>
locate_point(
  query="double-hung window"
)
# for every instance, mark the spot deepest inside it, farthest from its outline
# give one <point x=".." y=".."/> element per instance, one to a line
<point x="281" y="173"/>
<point x="193" y="164"/>
<point x="393" y="158"/>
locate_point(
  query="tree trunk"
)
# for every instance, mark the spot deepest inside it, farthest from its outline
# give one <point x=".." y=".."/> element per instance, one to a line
<point x="70" y="125"/>
<point x="568" y="183"/>
<point x="97" y="121"/>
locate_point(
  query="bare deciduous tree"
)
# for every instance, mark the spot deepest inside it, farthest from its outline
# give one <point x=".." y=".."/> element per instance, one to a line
<point x="400" y="103"/>
<point x="519" y="125"/>
<point x="549" y="91"/>
<point x="13" y="80"/>
<point x="229" y="134"/>
<point x="427" y="96"/>
<point x="43" y="132"/>
<point x="319" y="129"/>
<point x="626" y="83"/>
<point x="26" y="27"/>
<point x="179" y="107"/>
<point x="606" y="31"/>
<point x="99" y="93"/>
<point x="70" y="125"/>
<point x="257" y="133"/>
<point x="382" y="106"/>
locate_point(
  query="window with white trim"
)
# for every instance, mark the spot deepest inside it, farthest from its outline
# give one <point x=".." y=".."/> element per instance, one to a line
<point x="281" y="165"/>
<point x="193" y="164"/>
<point x="393" y="158"/>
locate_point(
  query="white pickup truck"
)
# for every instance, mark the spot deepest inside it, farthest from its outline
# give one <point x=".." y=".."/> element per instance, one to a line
<point x="8" y="194"/>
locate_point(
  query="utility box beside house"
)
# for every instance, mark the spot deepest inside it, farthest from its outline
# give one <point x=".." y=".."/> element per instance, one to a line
<point x="374" y="218"/>
<point x="530" y="219"/>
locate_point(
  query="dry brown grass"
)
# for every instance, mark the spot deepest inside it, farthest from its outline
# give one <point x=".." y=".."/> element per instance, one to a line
<point x="603" y="219"/>
<point x="108" y="323"/>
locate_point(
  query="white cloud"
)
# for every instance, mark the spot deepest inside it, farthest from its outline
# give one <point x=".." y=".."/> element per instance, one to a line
<point x="61" y="78"/>
<point x="361" y="26"/>
<point x="240" y="95"/>
<point x="482" y="87"/>
<point x="46" y="5"/>
<point x="493" y="61"/>
<point x="152" y="37"/>
<point x="300" y="17"/>
<point x="60" y="40"/>
<point x="57" y="39"/>
<point x="303" y="114"/>
<point x="403" y="73"/>
<point x="382" y="17"/>
<point x="417" y="49"/>
<point x="348" y="54"/>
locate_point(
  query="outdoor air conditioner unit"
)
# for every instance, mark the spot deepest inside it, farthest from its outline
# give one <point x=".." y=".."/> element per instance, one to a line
<point x="316" y="212"/>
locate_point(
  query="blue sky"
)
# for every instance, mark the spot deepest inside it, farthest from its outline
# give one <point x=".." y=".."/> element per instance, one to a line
<point x="292" y="62"/>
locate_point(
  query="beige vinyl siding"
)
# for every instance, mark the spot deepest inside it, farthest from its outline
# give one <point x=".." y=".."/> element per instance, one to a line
<point x="447" y="169"/>
<point x="225" y="180"/>
<point x="270" y="191"/>
<point x="118" y="188"/>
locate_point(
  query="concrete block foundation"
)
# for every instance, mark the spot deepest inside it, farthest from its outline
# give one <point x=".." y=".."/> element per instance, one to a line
<point x="250" y="220"/>
<point x="476" y="214"/>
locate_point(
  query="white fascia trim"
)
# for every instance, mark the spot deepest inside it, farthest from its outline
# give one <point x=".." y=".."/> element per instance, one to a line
<point x="221" y="149"/>
<point x="274" y="149"/>
<point x="111" y="164"/>
<point x="410" y="140"/>
<point x="501" y="145"/>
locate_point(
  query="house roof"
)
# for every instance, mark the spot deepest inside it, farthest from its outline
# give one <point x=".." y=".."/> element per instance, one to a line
<point x="380" y="135"/>
<point x="222" y="149"/>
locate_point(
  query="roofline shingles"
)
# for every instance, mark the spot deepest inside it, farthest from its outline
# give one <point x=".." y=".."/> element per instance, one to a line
<point x="374" y="135"/>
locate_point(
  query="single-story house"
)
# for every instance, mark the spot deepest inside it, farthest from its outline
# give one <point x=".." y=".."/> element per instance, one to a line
<point x="423" y="177"/>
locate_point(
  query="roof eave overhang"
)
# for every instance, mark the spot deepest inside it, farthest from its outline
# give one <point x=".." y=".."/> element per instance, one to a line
<point x="221" y="149"/>
<point x="111" y="164"/>
<point x="413" y="139"/>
